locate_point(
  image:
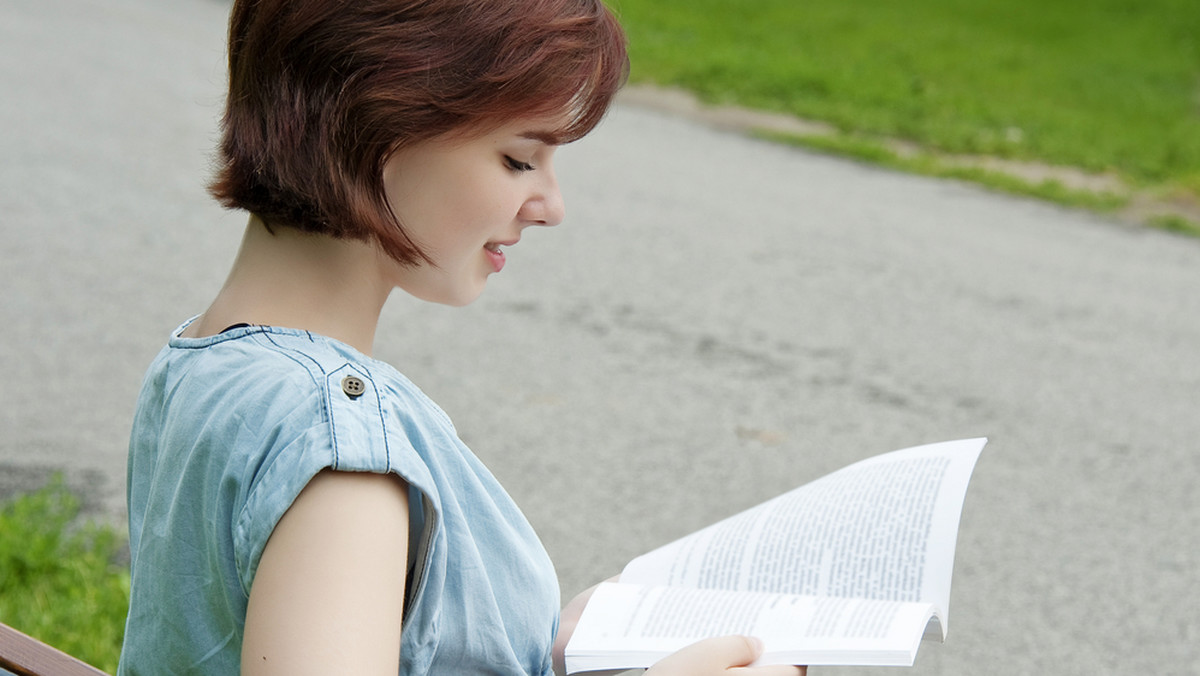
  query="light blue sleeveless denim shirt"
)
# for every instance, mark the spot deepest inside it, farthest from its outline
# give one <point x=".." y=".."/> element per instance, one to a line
<point x="227" y="432"/>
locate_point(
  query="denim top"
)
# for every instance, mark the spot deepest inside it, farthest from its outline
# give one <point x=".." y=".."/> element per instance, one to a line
<point x="230" y="428"/>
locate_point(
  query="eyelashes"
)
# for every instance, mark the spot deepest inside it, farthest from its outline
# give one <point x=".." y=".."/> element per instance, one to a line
<point x="517" y="165"/>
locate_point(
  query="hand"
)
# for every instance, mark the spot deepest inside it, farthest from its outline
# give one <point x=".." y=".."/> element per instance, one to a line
<point x="566" y="626"/>
<point x="725" y="655"/>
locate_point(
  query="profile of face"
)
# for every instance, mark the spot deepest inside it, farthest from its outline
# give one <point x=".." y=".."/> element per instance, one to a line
<point x="462" y="200"/>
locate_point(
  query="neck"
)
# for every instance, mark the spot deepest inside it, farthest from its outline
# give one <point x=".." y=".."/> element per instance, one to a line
<point x="292" y="279"/>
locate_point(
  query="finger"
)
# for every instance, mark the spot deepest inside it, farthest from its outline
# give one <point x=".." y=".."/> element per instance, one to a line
<point x="713" y="653"/>
<point x="772" y="670"/>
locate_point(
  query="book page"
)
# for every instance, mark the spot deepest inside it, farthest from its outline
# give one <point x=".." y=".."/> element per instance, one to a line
<point x="884" y="528"/>
<point x="629" y="626"/>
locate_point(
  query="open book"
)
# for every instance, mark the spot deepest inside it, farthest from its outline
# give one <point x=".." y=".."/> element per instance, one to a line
<point x="853" y="568"/>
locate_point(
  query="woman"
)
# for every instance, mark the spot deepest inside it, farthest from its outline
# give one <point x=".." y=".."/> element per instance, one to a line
<point x="296" y="506"/>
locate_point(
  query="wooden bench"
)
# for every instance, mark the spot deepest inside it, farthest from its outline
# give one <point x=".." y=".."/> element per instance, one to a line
<point x="26" y="656"/>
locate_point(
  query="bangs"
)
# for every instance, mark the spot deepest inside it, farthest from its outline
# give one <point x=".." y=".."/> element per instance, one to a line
<point x="571" y="66"/>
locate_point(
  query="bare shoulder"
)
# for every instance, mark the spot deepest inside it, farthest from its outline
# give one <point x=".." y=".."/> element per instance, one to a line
<point x="328" y="595"/>
<point x="332" y="495"/>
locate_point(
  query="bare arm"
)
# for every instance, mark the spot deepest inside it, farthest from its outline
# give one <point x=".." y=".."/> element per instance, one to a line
<point x="328" y="596"/>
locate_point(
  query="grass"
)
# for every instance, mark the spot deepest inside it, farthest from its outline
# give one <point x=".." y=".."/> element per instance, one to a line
<point x="1101" y="85"/>
<point x="59" y="578"/>
<point x="1174" y="223"/>
<point x="931" y="164"/>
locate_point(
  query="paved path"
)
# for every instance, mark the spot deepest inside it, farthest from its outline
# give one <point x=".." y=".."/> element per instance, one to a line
<point x="718" y="320"/>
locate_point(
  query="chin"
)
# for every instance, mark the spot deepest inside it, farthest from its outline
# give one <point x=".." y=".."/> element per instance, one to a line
<point x="452" y="290"/>
<point x="449" y="297"/>
<point x="461" y="302"/>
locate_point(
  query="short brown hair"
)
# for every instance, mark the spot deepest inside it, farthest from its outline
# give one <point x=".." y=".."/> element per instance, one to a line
<point x="323" y="92"/>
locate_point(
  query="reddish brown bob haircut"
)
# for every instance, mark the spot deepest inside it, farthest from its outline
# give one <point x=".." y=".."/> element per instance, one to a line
<point x="323" y="92"/>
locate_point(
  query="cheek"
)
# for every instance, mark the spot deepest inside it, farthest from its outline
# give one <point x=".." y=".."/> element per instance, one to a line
<point x="481" y="210"/>
<point x="456" y="209"/>
<point x="429" y="213"/>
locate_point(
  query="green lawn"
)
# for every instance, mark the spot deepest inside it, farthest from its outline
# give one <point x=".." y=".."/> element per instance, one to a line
<point x="1102" y="85"/>
<point x="59" y="578"/>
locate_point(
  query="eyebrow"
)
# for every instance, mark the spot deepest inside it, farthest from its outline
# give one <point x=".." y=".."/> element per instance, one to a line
<point x="548" y="137"/>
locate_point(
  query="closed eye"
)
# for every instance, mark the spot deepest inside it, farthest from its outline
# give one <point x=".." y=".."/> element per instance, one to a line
<point x="517" y="165"/>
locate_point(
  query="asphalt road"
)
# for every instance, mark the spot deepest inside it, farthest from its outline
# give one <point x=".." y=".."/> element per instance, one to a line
<point x="718" y="320"/>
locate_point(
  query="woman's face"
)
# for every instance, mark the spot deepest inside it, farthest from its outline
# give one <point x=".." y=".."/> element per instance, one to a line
<point x="462" y="200"/>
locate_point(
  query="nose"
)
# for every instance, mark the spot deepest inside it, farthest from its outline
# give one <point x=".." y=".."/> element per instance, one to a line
<point x="546" y="206"/>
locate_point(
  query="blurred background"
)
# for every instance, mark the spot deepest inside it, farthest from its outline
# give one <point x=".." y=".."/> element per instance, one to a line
<point x="809" y="233"/>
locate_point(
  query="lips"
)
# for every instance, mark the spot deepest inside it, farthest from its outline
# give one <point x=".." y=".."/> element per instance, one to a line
<point x="495" y="255"/>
